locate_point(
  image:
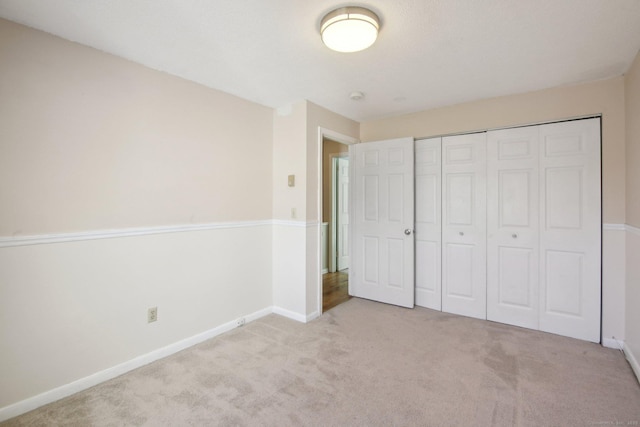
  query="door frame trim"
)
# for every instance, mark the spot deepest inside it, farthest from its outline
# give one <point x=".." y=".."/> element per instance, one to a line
<point x="342" y="139"/>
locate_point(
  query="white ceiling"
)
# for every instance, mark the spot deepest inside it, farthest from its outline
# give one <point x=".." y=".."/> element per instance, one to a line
<point x="429" y="53"/>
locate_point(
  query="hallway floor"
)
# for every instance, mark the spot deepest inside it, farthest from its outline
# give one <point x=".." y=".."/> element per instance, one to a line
<point x="335" y="289"/>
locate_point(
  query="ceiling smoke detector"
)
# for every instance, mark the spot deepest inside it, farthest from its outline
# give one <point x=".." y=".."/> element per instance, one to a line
<point x="349" y="29"/>
<point x="356" y="96"/>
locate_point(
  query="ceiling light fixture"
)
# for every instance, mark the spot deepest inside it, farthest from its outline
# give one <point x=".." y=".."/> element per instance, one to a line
<point x="349" y="29"/>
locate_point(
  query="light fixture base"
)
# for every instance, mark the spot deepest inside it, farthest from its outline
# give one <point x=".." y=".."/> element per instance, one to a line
<point x="349" y="29"/>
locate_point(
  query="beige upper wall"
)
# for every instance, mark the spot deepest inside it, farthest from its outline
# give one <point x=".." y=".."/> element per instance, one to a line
<point x="632" y="103"/>
<point x="90" y="141"/>
<point x="603" y="97"/>
<point x="319" y="117"/>
<point x="295" y="151"/>
<point x="289" y="158"/>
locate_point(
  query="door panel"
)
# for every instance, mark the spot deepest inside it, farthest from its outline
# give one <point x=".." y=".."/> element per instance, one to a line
<point x="570" y="231"/>
<point x="564" y="282"/>
<point x="515" y="198"/>
<point x="382" y="265"/>
<point x="460" y="200"/>
<point x="428" y="223"/>
<point x="459" y="271"/>
<point x="395" y="249"/>
<point x="464" y="225"/>
<point x="515" y="287"/>
<point x="512" y="226"/>
<point x="564" y="193"/>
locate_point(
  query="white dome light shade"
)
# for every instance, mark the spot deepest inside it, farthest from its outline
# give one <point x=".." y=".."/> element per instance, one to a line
<point x="349" y="29"/>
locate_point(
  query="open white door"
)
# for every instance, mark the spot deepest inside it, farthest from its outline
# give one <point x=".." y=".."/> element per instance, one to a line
<point x="342" y="214"/>
<point x="382" y="221"/>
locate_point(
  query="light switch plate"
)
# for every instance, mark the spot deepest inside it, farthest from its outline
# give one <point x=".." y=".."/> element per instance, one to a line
<point x="291" y="180"/>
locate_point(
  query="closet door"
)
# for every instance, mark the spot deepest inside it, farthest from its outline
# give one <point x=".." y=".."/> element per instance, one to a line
<point x="570" y="234"/>
<point x="428" y="223"/>
<point x="464" y="225"/>
<point x="512" y="226"/>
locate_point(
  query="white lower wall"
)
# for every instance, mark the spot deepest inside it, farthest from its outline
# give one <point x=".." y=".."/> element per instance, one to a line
<point x="72" y="309"/>
<point x="613" y="284"/>
<point x="69" y="310"/>
<point x="313" y="284"/>
<point x="289" y="269"/>
<point x="632" y="299"/>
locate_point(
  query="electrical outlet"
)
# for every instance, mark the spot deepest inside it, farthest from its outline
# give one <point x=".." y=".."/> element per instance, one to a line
<point x="152" y="314"/>
<point x="240" y="322"/>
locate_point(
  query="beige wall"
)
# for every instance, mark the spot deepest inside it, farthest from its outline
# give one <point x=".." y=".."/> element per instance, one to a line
<point x="604" y="97"/>
<point x="289" y="158"/>
<point x="318" y="117"/>
<point x="296" y="132"/>
<point x="289" y="234"/>
<point x="632" y="104"/>
<point x="632" y="99"/>
<point x="91" y="141"/>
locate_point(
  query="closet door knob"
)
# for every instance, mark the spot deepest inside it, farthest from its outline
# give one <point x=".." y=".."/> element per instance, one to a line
<point x="407" y="231"/>
<point x="461" y="233"/>
<point x="514" y="235"/>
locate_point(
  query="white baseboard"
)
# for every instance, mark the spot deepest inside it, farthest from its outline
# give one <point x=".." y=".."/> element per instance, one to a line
<point x="258" y="314"/>
<point x="295" y="316"/>
<point x="290" y="314"/>
<point x="612" y="343"/>
<point x="312" y="316"/>
<point x="58" y="393"/>
<point x="325" y="270"/>
<point x="633" y="361"/>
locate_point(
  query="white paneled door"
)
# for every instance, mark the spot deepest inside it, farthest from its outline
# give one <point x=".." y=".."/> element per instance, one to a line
<point x="464" y="225"/>
<point x="382" y="220"/>
<point x="428" y="237"/>
<point x="342" y="216"/>
<point x="512" y="226"/>
<point x="570" y="229"/>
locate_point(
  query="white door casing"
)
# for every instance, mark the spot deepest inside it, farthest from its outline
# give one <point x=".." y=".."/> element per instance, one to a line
<point x="570" y="229"/>
<point x="513" y="226"/>
<point x="464" y="225"/>
<point x="342" y="214"/>
<point x="382" y="242"/>
<point x="428" y="236"/>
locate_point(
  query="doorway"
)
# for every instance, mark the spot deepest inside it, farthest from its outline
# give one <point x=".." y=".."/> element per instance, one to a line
<point x="335" y="220"/>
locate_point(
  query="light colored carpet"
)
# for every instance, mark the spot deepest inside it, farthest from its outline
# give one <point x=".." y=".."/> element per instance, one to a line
<point x="366" y="364"/>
